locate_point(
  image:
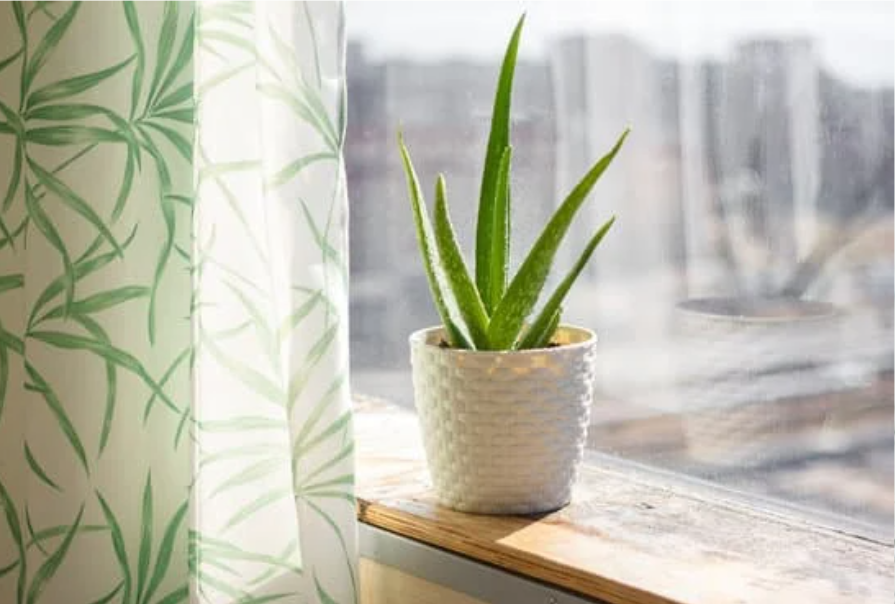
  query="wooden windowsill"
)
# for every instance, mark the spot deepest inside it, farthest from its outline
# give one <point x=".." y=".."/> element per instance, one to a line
<point x="625" y="538"/>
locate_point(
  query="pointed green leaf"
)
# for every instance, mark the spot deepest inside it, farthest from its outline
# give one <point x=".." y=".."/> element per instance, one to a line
<point x="163" y="47"/>
<point x="257" y="471"/>
<point x="133" y="26"/>
<point x="498" y="140"/>
<point x="290" y="171"/>
<point x="101" y="301"/>
<point x="177" y="596"/>
<point x="12" y="281"/>
<point x="183" y="58"/>
<point x="541" y="328"/>
<point x="183" y="146"/>
<point x="111" y="378"/>
<point x="14" y="179"/>
<point x="164" y="380"/>
<point x="187" y="116"/>
<point x="426" y="241"/>
<point x="75" y="203"/>
<point x="127" y="182"/>
<point x="257" y="504"/>
<point x="251" y="378"/>
<point x="242" y="424"/>
<point x="541" y="332"/>
<point x="72" y="135"/>
<point x="325" y="598"/>
<point x="524" y="290"/>
<point x="38" y="384"/>
<point x="117" y="545"/>
<point x="146" y="522"/>
<point x="47" y="45"/>
<point x="43" y="224"/>
<point x="178" y="96"/>
<point x="165" y="552"/>
<point x="106" y="351"/>
<point x="81" y="269"/>
<point x="109" y="596"/>
<point x="4" y="376"/>
<point x="46" y="571"/>
<point x="72" y="86"/>
<point x="167" y="207"/>
<point x="4" y="63"/>
<point x="500" y="242"/>
<point x="38" y="470"/>
<point x="468" y="301"/>
<point x="15" y="529"/>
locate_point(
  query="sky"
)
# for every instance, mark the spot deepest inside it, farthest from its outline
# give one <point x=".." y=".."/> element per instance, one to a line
<point x="855" y="39"/>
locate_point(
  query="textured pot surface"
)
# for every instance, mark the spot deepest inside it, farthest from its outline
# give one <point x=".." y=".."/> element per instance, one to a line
<point x="504" y="432"/>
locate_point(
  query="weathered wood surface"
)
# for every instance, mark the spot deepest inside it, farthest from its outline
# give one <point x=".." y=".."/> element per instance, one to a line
<point x="626" y="538"/>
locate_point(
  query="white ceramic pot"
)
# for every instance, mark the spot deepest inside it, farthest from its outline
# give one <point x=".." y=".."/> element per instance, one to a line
<point x="504" y="432"/>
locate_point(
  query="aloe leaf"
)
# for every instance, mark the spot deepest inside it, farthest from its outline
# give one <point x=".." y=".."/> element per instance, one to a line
<point x="498" y="140"/>
<point x="524" y="290"/>
<point x="75" y="85"/>
<point x="425" y="237"/>
<point x="52" y="564"/>
<point x="540" y="333"/>
<point x="544" y="326"/>
<point x="500" y="242"/>
<point x="469" y="302"/>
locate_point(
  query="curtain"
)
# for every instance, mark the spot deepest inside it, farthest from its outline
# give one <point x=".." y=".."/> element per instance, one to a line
<point x="175" y="421"/>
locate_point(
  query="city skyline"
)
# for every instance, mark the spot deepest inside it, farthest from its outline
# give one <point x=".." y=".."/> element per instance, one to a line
<point x="855" y="40"/>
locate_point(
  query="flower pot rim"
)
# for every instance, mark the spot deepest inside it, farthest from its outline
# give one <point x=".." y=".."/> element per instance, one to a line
<point x="722" y="308"/>
<point x="423" y="337"/>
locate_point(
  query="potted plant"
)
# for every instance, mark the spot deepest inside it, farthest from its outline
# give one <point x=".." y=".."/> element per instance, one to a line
<point x="503" y="399"/>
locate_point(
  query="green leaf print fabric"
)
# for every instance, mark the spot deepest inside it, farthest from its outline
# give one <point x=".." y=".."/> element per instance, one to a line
<point x="175" y="422"/>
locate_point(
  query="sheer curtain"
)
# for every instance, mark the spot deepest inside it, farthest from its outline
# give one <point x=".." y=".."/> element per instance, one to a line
<point x="174" y="412"/>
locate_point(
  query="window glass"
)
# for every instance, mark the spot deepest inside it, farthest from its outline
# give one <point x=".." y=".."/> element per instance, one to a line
<point x="744" y="298"/>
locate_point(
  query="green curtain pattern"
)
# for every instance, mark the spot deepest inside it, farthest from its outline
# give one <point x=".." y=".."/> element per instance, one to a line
<point x="174" y="413"/>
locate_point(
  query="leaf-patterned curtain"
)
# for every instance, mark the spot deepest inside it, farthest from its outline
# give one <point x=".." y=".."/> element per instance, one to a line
<point x="174" y="413"/>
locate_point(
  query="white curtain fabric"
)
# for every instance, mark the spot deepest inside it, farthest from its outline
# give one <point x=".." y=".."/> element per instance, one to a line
<point x="174" y="413"/>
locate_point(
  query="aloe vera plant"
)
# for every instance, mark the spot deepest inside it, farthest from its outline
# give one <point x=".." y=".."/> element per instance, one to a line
<point x="492" y="311"/>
